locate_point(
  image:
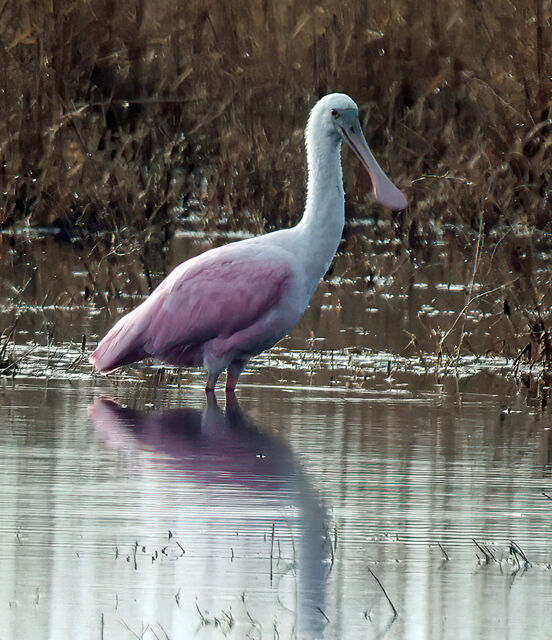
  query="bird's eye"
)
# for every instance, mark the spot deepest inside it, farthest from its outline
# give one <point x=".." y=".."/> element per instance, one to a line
<point x="335" y="113"/>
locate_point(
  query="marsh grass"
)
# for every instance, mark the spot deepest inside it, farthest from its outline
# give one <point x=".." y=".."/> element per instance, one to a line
<point x="128" y="117"/>
<point x="115" y="113"/>
<point x="8" y="363"/>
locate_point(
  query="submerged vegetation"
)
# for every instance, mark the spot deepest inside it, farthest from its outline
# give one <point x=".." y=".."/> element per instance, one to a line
<point x="132" y="118"/>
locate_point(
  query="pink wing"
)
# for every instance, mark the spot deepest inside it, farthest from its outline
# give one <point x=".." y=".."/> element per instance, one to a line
<point x="217" y="294"/>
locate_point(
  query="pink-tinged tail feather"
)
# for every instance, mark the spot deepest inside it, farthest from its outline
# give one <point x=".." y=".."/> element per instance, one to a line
<point x="122" y="345"/>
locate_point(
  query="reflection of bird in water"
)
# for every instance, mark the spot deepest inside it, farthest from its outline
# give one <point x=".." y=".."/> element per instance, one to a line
<point x="215" y="447"/>
<point x="221" y="308"/>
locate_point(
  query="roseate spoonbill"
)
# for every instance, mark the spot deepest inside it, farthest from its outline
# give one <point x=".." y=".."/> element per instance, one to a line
<point x="219" y="309"/>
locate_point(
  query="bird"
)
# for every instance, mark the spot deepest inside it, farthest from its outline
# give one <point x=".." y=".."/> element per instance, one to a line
<point x="219" y="309"/>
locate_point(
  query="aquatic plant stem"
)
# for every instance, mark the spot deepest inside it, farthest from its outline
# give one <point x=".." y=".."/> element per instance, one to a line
<point x="395" y="612"/>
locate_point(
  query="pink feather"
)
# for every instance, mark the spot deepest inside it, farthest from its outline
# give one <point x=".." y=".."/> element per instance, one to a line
<point x="219" y="299"/>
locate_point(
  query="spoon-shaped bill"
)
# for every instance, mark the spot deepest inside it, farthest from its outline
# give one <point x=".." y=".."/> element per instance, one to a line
<point x="385" y="191"/>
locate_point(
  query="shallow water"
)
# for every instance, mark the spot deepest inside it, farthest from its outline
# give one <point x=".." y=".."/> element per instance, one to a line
<point x="356" y="465"/>
<point x="175" y="518"/>
<point x="55" y="297"/>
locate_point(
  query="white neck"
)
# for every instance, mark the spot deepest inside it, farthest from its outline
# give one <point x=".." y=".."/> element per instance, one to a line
<point x="324" y="218"/>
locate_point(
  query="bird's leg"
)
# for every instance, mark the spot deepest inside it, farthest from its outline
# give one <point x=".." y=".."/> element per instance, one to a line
<point x="212" y="381"/>
<point x="234" y="370"/>
<point x="211" y="401"/>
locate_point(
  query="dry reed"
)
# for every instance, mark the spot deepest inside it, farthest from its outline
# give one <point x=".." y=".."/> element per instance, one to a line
<point x="125" y="116"/>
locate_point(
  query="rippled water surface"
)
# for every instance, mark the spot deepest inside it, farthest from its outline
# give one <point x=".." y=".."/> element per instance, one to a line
<point x="360" y="487"/>
<point x="157" y="514"/>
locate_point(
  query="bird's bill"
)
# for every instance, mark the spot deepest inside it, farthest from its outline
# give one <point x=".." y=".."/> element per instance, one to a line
<point x="385" y="191"/>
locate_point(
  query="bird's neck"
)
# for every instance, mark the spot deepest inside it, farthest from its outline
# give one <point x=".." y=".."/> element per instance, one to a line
<point x="322" y="223"/>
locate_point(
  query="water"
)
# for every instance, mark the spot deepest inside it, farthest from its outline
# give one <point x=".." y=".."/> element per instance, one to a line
<point x="374" y="313"/>
<point x="357" y="475"/>
<point x="175" y="518"/>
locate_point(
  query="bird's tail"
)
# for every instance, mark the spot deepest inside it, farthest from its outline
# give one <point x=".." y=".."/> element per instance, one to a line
<point x="123" y="344"/>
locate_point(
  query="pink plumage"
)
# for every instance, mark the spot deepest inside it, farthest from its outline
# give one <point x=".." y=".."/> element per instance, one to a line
<point x="221" y="308"/>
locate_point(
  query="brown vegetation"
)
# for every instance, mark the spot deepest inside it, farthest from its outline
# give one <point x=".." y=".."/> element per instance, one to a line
<point x="119" y="115"/>
<point x="112" y="111"/>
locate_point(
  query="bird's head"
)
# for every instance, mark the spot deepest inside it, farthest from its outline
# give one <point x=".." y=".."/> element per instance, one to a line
<point x="337" y="115"/>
